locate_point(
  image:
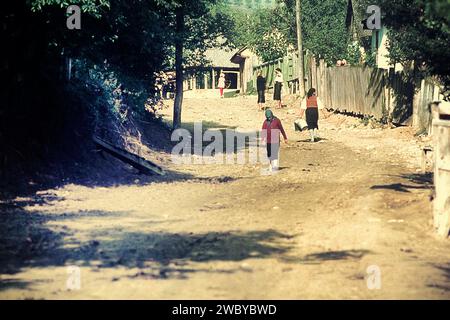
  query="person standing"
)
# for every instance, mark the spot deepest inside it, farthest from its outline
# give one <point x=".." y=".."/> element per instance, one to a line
<point x="221" y="84"/>
<point x="261" y="88"/>
<point x="271" y="130"/>
<point x="311" y="105"/>
<point x="278" y="85"/>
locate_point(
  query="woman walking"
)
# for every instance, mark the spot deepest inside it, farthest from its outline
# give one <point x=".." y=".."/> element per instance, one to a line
<point x="311" y="105"/>
<point x="271" y="130"/>
<point x="277" y="87"/>
<point x="261" y="88"/>
<point x="221" y="84"/>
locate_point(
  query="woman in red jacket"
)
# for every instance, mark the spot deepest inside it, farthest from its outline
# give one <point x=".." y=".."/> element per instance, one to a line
<point x="271" y="130"/>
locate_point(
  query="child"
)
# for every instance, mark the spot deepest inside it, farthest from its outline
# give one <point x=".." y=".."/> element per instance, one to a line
<point x="271" y="134"/>
<point x="221" y="84"/>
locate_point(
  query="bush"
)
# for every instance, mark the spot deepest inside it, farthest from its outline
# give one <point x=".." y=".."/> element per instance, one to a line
<point x="353" y="54"/>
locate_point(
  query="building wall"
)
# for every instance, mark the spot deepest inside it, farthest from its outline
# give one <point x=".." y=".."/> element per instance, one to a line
<point x="380" y="45"/>
<point x="208" y="77"/>
<point x="247" y="71"/>
<point x="248" y="62"/>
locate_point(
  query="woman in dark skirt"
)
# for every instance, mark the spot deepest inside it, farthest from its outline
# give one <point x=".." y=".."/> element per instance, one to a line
<point x="311" y="105"/>
<point x="278" y="84"/>
<point x="261" y="88"/>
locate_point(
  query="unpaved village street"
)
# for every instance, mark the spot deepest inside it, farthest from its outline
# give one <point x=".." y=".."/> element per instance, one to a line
<point x="354" y="199"/>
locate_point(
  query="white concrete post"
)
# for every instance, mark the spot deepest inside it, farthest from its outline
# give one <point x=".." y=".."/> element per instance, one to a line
<point x="441" y="147"/>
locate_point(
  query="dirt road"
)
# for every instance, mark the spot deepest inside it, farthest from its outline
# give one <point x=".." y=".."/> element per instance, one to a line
<point x="353" y="200"/>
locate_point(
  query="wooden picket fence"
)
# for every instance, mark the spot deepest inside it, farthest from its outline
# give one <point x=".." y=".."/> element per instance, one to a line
<point x="379" y="93"/>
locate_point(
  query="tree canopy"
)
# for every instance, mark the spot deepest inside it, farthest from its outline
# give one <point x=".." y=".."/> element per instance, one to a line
<point x="135" y="37"/>
<point x="419" y="31"/>
<point x="121" y="43"/>
<point x="271" y="31"/>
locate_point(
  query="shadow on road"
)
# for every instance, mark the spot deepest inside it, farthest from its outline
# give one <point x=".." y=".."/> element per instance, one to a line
<point x="28" y="241"/>
<point x="320" y="257"/>
<point x="445" y="285"/>
<point x="400" y="187"/>
<point x="104" y="170"/>
<point x="335" y="255"/>
<point x="415" y="181"/>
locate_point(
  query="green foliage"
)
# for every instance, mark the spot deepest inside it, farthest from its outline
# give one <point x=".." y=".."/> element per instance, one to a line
<point x="119" y="47"/>
<point x="256" y="29"/>
<point x="353" y="54"/>
<point x="256" y="4"/>
<point x="239" y="25"/>
<point x="272" y="31"/>
<point x="355" y="58"/>
<point x="93" y="7"/>
<point x="419" y="31"/>
<point x="324" y="28"/>
<point x="131" y="38"/>
<point x="371" y="59"/>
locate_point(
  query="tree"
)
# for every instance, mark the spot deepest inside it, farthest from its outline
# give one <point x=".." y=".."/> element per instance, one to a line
<point x="323" y="29"/>
<point x="418" y="30"/>
<point x="137" y="38"/>
<point x="121" y="42"/>
<point x="178" y="66"/>
<point x="197" y="27"/>
<point x="257" y="29"/>
<point x="325" y="33"/>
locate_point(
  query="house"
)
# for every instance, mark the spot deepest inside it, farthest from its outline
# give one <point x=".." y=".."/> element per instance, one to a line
<point x="206" y="75"/>
<point x="379" y="45"/>
<point x="373" y="41"/>
<point x="379" y="42"/>
<point x="246" y="60"/>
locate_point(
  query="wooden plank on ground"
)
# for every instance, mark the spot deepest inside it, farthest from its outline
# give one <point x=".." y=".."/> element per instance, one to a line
<point x="136" y="161"/>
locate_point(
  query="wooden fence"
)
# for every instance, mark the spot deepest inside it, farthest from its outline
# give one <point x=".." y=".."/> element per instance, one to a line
<point x="288" y="66"/>
<point x="384" y="94"/>
<point x="428" y="92"/>
<point x="353" y="89"/>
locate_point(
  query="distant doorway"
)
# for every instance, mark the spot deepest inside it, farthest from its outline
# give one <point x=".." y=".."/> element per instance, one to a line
<point x="231" y="80"/>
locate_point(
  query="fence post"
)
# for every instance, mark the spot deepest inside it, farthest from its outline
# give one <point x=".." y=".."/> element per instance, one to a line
<point x="417" y="103"/>
<point x="441" y="147"/>
<point x="313" y="73"/>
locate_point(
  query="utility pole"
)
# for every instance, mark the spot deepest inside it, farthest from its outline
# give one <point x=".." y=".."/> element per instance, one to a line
<point x="301" y="73"/>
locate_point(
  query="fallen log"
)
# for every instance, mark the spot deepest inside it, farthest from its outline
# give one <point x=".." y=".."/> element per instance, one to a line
<point x="136" y="161"/>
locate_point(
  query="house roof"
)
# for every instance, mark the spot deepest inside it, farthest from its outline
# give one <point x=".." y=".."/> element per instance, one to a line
<point x="219" y="57"/>
<point x="237" y="58"/>
<point x="245" y="53"/>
